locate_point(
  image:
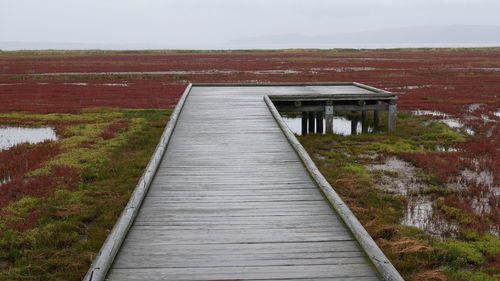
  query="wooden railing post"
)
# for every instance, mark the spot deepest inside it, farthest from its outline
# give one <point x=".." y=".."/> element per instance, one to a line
<point x="329" y="117"/>
<point x="392" y="116"/>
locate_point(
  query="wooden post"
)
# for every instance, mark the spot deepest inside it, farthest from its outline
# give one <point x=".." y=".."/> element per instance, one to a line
<point x="364" y="122"/>
<point x="329" y="118"/>
<point x="311" y="117"/>
<point x="319" y="122"/>
<point x="329" y="124"/>
<point x="392" y="116"/>
<point x="304" y="124"/>
<point x="354" y="126"/>
<point x="376" y="117"/>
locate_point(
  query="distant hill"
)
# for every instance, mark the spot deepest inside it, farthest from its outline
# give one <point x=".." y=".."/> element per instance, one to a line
<point x="408" y="35"/>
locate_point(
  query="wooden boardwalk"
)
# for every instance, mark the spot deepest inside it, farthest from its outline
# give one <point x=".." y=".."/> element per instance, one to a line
<point x="231" y="200"/>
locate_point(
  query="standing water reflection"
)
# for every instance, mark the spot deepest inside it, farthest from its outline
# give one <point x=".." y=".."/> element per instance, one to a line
<point x="342" y="125"/>
<point x="12" y="136"/>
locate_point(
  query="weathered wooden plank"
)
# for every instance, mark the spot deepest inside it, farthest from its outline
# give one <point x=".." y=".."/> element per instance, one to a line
<point x="242" y="273"/>
<point x="308" y="108"/>
<point x="165" y="260"/>
<point x="222" y="187"/>
<point x="236" y="198"/>
<point x="208" y="220"/>
<point x="360" y="278"/>
<point x="160" y="237"/>
<point x="249" y="249"/>
<point x="332" y="97"/>
<point x="231" y="212"/>
<point x="224" y="225"/>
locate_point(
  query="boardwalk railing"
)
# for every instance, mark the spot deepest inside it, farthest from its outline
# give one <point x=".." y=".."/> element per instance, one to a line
<point x="111" y="246"/>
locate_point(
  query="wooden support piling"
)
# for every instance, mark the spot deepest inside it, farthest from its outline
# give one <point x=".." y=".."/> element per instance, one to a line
<point x="329" y="117"/>
<point x="354" y="126"/>
<point x="376" y="118"/>
<point x="329" y="124"/>
<point x="311" y="117"/>
<point x="304" y="123"/>
<point x="319" y="122"/>
<point x="391" y="117"/>
<point x="364" y="122"/>
<point x="363" y="115"/>
<point x="364" y="127"/>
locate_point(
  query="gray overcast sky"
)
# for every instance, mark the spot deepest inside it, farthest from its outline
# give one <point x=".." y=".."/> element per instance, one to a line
<point x="216" y="21"/>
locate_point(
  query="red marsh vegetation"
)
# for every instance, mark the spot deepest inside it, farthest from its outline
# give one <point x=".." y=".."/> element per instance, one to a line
<point x="445" y="80"/>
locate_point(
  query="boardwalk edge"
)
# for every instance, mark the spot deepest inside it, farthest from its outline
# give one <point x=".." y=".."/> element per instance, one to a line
<point x="376" y="256"/>
<point x="104" y="259"/>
